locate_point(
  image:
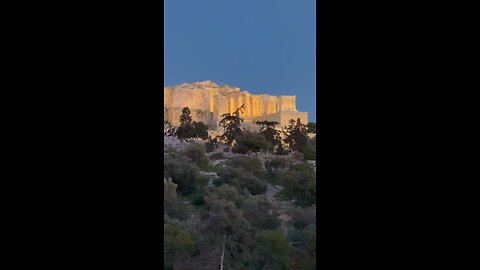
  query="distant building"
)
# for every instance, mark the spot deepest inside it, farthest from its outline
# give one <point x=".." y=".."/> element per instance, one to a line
<point x="207" y="101"/>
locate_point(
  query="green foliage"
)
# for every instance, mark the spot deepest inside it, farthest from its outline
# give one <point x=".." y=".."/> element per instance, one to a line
<point x="299" y="184"/>
<point x="305" y="257"/>
<point x="225" y="218"/>
<point x="185" y="118"/>
<point x="249" y="164"/>
<point x="303" y="217"/>
<point x="200" y="130"/>
<point x="225" y="192"/>
<point x="177" y="244"/>
<point x="231" y="124"/>
<point x="182" y="173"/>
<point x="211" y="144"/>
<point x="260" y="212"/>
<point x="272" y="251"/>
<point x="296" y="135"/>
<point x="198" y="219"/>
<point x="277" y="164"/>
<point x="310" y="152"/>
<point x="197" y="154"/>
<point x="241" y="179"/>
<point x="254" y="185"/>
<point x="312" y="127"/>
<point x="190" y="129"/>
<point x="271" y="134"/>
<point x="251" y="142"/>
<point x="172" y="207"/>
<point x="197" y="200"/>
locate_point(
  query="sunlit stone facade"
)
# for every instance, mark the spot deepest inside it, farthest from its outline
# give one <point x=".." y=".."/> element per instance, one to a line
<point x="207" y="101"/>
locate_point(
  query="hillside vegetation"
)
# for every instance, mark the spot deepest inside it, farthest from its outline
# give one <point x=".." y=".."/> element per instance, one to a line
<point x="242" y="200"/>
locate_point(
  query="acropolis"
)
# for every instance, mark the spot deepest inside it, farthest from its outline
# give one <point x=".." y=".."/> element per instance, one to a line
<point x="207" y="101"/>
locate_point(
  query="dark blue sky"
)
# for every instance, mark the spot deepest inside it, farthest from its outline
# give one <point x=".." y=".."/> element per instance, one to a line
<point x="260" y="46"/>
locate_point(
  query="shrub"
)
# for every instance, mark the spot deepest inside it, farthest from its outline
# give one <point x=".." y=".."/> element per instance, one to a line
<point x="310" y="153"/>
<point x="197" y="154"/>
<point x="251" y="142"/>
<point x="182" y="173"/>
<point x="277" y="163"/>
<point x="254" y="185"/>
<point x="249" y="164"/>
<point x="177" y="244"/>
<point x="217" y="156"/>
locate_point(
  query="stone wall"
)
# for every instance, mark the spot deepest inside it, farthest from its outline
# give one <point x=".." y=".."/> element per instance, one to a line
<point x="282" y="117"/>
<point x="172" y="115"/>
<point x="207" y="101"/>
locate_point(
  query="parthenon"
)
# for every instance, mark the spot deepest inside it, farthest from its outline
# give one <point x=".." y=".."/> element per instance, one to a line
<point x="207" y="101"/>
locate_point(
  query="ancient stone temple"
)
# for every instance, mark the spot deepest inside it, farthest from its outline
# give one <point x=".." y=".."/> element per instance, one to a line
<point x="207" y="101"/>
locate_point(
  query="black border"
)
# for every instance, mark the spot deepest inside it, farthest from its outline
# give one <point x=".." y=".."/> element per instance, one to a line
<point x="88" y="147"/>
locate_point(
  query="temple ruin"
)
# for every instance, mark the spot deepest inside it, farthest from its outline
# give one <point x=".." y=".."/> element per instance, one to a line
<point x="207" y="101"/>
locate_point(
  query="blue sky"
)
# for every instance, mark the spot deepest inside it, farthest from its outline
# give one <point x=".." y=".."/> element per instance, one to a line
<point x="260" y="46"/>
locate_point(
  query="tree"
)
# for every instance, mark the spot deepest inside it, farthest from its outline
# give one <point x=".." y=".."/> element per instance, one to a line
<point x="172" y="206"/>
<point x="186" y="129"/>
<point x="177" y="244"/>
<point x="241" y="179"/>
<point x="276" y="164"/>
<point x="272" y="251"/>
<point x="190" y="129"/>
<point x="227" y="220"/>
<point x="250" y="141"/>
<point x="231" y="124"/>
<point x="185" y="118"/>
<point x="260" y="212"/>
<point x="200" y="130"/>
<point x="248" y="164"/>
<point x="312" y="127"/>
<point x="310" y="151"/>
<point x="303" y="217"/>
<point x="271" y="134"/>
<point x="296" y="135"/>
<point x="299" y="184"/>
<point x="197" y="154"/>
<point x="182" y="172"/>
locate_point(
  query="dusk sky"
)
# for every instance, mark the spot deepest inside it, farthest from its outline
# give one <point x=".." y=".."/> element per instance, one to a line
<point x="260" y="46"/>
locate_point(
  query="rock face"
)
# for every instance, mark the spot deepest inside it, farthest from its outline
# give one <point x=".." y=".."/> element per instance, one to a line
<point x="207" y="101"/>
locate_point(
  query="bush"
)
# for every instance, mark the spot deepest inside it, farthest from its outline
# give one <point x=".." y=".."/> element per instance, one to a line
<point x="299" y="184"/>
<point x="217" y="156"/>
<point x="312" y="127"/>
<point x="192" y="130"/>
<point x="249" y="164"/>
<point x="260" y="212"/>
<point x="303" y="217"/>
<point x="197" y="154"/>
<point x="310" y="153"/>
<point x="177" y="244"/>
<point x="254" y="185"/>
<point x="276" y="164"/>
<point x="251" y="142"/>
<point x="240" y="179"/>
<point x="182" y="173"/>
<point x="200" y="130"/>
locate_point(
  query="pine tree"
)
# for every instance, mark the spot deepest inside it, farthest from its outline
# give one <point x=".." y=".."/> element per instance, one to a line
<point x="296" y="135"/>
<point x="231" y="124"/>
<point x="185" y="118"/>
<point x="271" y="134"/>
